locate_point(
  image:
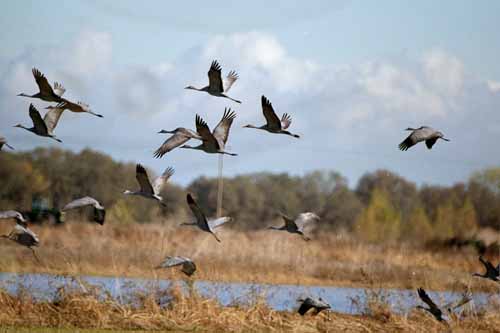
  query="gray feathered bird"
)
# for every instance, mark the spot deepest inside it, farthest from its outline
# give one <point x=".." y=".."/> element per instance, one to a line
<point x="147" y="189"/>
<point x="214" y="142"/>
<point x="43" y="127"/>
<point x="318" y="304"/>
<point x="435" y="310"/>
<point x="25" y="237"/>
<point x="99" y="211"/>
<point x="201" y="220"/>
<point x="180" y="136"/>
<point x="216" y="87"/>
<point x="492" y="272"/>
<point x="273" y="123"/>
<point x="297" y="226"/>
<point x="188" y="266"/>
<point x="423" y="133"/>
<point x="46" y="92"/>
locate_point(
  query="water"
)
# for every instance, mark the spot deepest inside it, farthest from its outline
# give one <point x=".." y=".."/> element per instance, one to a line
<point x="278" y="297"/>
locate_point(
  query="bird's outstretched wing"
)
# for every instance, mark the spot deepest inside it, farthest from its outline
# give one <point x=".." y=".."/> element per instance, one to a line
<point x="173" y="261"/>
<point x="171" y="143"/>
<point x="304" y="307"/>
<point x="426" y="299"/>
<point x="42" y="83"/>
<point x="59" y="90"/>
<point x="204" y="131"/>
<point x="430" y="142"/>
<point x="160" y="181"/>
<point x="20" y="231"/>
<point x="200" y="217"/>
<point x="306" y="218"/>
<point x="286" y="120"/>
<point x="271" y="118"/>
<point x="221" y="131"/>
<point x="52" y="118"/>
<point x="230" y="79"/>
<point x="38" y="122"/>
<point x="82" y="202"/>
<point x="142" y="178"/>
<point x="215" y="78"/>
<point x="11" y="214"/>
<point x="466" y="298"/>
<point x="219" y="221"/>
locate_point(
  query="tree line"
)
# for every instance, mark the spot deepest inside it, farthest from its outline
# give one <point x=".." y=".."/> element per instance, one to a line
<point x="382" y="205"/>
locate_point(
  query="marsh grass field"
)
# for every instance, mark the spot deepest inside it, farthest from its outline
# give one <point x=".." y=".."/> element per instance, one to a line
<point x="76" y="249"/>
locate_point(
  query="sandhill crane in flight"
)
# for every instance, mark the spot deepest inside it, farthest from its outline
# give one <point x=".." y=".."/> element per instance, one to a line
<point x="24" y="236"/>
<point x="14" y="214"/>
<point x="492" y="272"/>
<point x="3" y="142"/>
<point x="215" y="85"/>
<point x="214" y="142"/>
<point x="147" y="189"/>
<point x="180" y="136"/>
<point x="43" y="127"/>
<point x="99" y="211"/>
<point x="273" y="123"/>
<point x="78" y="107"/>
<point x="201" y="219"/>
<point x="423" y="133"/>
<point x="46" y="92"/>
<point x="435" y="310"/>
<point x="188" y="266"/>
<point x="297" y="226"/>
<point x="312" y="303"/>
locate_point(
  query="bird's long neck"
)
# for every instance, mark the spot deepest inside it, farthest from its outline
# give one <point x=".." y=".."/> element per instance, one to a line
<point x="25" y="95"/>
<point x="200" y="147"/>
<point x="188" y="224"/>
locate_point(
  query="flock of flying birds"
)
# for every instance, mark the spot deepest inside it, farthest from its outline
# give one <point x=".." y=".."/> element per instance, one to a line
<point x="213" y="142"/>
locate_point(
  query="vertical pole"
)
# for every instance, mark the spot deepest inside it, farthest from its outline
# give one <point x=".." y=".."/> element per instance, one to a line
<point x="220" y="186"/>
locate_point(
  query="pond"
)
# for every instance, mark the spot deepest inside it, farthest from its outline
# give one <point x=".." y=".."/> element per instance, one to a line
<point x="278" y="297"/>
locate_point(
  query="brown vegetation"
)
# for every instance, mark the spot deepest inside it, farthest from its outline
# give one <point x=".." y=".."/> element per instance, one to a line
<point x="115" y="250"/>
<point x="77" y="309"/>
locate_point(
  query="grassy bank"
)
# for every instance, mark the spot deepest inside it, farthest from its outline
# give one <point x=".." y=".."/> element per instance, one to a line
<point x="264" y="256"/>
<point x="78" y="310"/>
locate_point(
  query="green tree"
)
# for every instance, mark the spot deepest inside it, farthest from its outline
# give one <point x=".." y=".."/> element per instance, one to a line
<point x="417" y="228"/>
<point x="380" y="221"/>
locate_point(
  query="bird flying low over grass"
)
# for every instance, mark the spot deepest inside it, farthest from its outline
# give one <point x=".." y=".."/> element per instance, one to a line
<point x="435" y="310"/>
<point x="216" y="87"/>
<point x="99" y="211"/>
<point x="214" y="142"/>
<point x="3" y="142"/>
<point x="180" y="136"/>
<point x="423" y="133"/>
<point x="318" y="304"/>
<point x="201" y="220"/>
<point x="188" y="266"/>
<point x="43" y="127"/>
<point x="147" y="189"/>
<point x="297" y="226"/>
<point x="273" y="123"/>
<point x="21" y="234"/>
<point x="492" y="272"/>
<point x="46" y="92"/>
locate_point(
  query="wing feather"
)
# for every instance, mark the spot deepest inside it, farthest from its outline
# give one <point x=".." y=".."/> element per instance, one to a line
<point x="43" y="84"/>
<point x="160" y="181"/>
<point x="272" y="119"/>
<point x="142" y="178"/>
<point x="221" y="131"/>
<point x="38" y="123"/>
<point x="82" y="202"/>
<point x="230" y="79"/>
<point x="215" y="78"/>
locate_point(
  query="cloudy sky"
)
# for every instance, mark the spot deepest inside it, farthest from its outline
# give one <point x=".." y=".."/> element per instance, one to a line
<point x="352" y="74"/>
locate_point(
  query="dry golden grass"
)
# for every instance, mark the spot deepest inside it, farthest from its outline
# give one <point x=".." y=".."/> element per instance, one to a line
<point x="73" y="310"/>
<point x="263" y="256"/>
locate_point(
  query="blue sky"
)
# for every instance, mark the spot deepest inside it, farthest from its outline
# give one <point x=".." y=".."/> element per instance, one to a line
<point x="352" y="74"/>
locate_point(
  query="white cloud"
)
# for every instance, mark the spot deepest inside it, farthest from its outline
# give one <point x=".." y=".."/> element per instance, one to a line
<point x="494" y="86"/>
